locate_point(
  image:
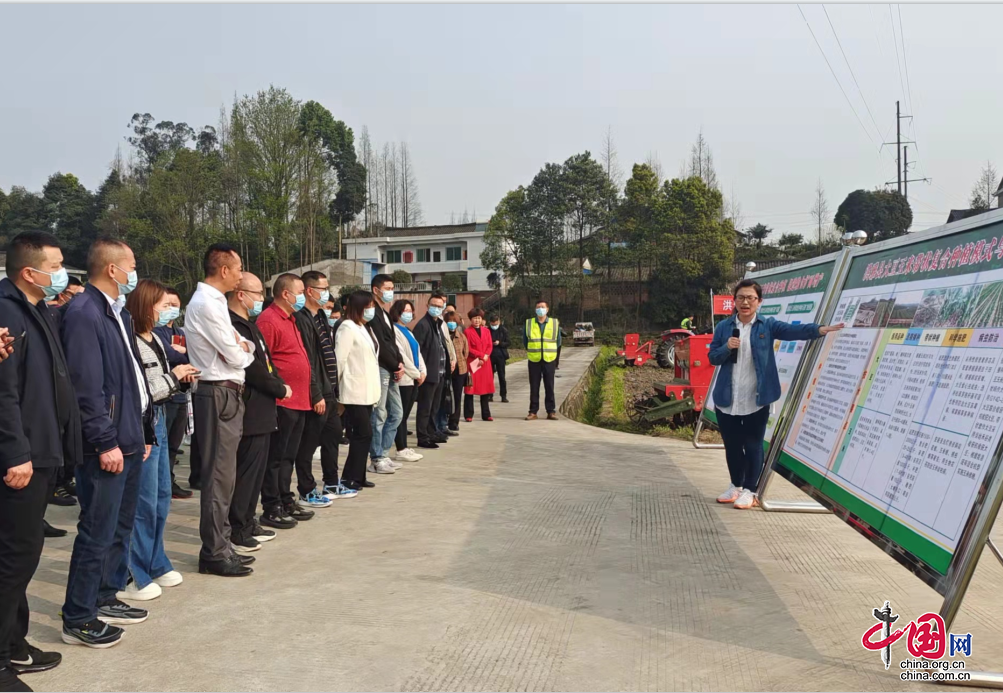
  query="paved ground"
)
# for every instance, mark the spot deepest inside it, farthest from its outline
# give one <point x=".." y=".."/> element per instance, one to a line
<point x="524" y="556"/>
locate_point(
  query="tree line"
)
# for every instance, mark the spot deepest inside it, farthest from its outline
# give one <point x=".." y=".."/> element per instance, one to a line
<point x="278" y="178"/>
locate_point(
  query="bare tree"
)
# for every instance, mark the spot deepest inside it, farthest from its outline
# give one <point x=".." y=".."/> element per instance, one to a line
<point x="702" y="162"/>
<point x="365" y="155"/>
<point x="820" y="211"/>
<point x="732" y="209"/>
<point x="985" y="188"/>
<point x="656" y="165"/>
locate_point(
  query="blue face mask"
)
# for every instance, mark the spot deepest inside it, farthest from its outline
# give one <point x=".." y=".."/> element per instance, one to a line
<point x="388" y="296"/>
<point x="131" y="281"/>
<point x="300" y="302"/>
<point x="325" y="296"/>
<point x="541" y="312"/>
<point x="407" y="317"/>
<point x="451" y="326"/>
<point x="434" y="311"/>
<point x="58" y="281"/>
<point x="368" y="314"/>
<point x="255" y="310"/>
<point x="327" y="312"/>
<point x="495" y="327"/>
<point x="166" y="316"/>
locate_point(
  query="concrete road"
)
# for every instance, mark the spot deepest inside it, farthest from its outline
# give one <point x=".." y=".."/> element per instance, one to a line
<point x="524" y="556"/>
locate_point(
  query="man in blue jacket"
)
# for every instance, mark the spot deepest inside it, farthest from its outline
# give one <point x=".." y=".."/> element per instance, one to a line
<point x="39" y="433"/>
<point x="115" y="415"/>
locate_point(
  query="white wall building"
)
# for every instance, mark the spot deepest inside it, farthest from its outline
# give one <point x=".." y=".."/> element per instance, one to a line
<point x="427" y="253"/>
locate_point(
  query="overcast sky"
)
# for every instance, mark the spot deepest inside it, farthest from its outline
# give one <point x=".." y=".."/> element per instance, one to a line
<point x="485" y="95"/>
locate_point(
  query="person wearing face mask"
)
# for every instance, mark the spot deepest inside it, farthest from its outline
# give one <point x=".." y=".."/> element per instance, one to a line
<point x="458" y="378"/>
<point x="542" y="339"/>
<point x="499" y="354"/>
<point x="173" y="338"/>
<point x="147" y="562"/>
<point x="402" y="313"/>
<point x="482" y="380"/>
<point x="387" y="412"/>
<point x="116" y="423"/>
<point x="263" y="388"/>
<point x="432" y="344"/>
<point x="39" y="434"/>
<point x="323" y="425"/>
<point x="357" y="350"/>
<point x="289" y="356"/>
<point x="221" y="355"/>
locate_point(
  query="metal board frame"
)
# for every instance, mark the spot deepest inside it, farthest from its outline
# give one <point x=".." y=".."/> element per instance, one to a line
<point x="990" y="494"/>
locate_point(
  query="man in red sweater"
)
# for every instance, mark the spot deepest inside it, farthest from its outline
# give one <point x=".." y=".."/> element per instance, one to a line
<point x="278" y="326"/>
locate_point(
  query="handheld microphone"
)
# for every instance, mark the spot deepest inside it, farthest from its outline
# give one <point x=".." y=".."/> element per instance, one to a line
<point x="734" y="354"/>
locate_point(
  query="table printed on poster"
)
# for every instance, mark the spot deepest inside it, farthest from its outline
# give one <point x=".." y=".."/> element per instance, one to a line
<point x="905" y="405"/>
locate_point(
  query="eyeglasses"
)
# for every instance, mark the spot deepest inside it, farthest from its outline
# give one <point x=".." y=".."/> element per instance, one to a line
<point x="746" y="299"/>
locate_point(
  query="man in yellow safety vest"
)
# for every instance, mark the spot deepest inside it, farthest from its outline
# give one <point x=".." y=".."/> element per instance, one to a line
<point x="542" y="339"/>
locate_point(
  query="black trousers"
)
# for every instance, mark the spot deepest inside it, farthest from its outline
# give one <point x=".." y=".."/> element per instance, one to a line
<point x="20" y="548"/>
<point x="408" y="395"/>
<point x="358" y="416"/>
<point x="323" y="430"/>
<point x="252" y="461"/>
<point x="194" y="461"/>
<point x="542" y="370"/>
<point x="743" y="445"/>
<point x="457" y="381"/>
<point x="276" y="491"/>
<point x="177" y="424"/>
<point x="468" y="407"/>
<point x="499" y="367"/>
<point x="429" y="398"/>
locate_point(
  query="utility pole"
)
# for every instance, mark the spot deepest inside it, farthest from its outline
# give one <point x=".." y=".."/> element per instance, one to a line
<point x="900" y="172"/>
<point x="906" y="180"/>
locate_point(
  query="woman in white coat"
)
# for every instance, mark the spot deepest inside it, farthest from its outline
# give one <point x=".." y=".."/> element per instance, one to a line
<point x="358" y="384"/>
<point x="401" y="314"/>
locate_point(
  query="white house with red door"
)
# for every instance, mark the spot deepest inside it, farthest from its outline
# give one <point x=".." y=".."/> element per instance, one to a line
<point x="427" y="253"/>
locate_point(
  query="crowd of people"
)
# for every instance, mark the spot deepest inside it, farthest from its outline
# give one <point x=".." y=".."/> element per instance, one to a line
<point x="100" y="385"/>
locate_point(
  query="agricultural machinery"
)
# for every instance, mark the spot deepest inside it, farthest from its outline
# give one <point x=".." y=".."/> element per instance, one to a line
<point x="636" y="354"/>
<point x="679" y="401"/>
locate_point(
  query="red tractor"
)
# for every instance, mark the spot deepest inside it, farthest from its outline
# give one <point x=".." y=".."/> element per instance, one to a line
<point x="680" y="401"/>
<point x="636" y="354"/>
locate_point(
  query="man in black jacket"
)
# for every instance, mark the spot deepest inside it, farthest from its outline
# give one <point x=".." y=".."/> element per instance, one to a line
<point x="262" y="386"/>
<point x="116" y="422"/>
<point x="499" y="353"/>
<point x="39" y="432"/>
<point x="316" y="333"/>
<point x="428" y="333"/>
<point x="388" y="411"/>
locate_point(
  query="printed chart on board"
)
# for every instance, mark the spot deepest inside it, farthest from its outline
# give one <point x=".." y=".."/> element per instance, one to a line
<point x="904" y="409"/>
<point x="793" y="297"/>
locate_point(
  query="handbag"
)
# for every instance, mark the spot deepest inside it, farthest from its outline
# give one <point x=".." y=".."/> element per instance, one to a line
<point x="468" y="381"/>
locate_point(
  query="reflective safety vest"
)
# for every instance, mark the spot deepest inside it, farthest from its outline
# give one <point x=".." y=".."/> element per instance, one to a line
<point x="542" y="345"/>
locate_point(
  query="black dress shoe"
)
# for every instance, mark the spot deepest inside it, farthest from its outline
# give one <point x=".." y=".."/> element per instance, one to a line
<point x="52" y="532"/>
<point x="357" y="485"/>
<point x="178" y="492"/>
<point x="428" y="444"/>
<point x="244" y="559"/>
<point x="410" y="433"/>
<point x="343" y="441"/>
<point x="451" y="432"/>
<point x="504" y="400"/>
<point x="228" y="567"/>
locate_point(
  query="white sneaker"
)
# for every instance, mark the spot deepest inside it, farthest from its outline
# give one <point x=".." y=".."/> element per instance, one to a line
<point x="381" y="466"/>
<point x="392" y="463"/>
<point x="408" y="455"/>
<point x="747" y="500"/>
<point x="731" y="495"/>
<point x="169" y="579"/>
<point x="134" y="594"/>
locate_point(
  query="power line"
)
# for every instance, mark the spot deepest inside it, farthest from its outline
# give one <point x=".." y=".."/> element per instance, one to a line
<point x="891" y="18"/>
<point x="905" y="61"/>
<point x="847" y="61"/>
<point x="848" y="102"/>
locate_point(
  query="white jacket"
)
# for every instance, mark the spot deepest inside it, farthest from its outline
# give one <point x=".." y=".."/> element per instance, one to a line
<point x="411" y="369"/>
<point x="358" y="368"/>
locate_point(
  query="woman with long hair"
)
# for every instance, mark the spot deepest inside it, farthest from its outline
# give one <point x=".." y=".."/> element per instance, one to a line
<point x="358" y="384"/>
<point x="147" y="561"/>
<point x="482" y="380"/>
<point x="401" y="315"/>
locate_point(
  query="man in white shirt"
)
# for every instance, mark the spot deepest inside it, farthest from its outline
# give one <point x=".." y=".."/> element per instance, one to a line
<point x="221" y="355"/>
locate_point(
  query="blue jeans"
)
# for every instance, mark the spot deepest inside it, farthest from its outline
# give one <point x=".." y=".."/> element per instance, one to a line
<point x="107" y="514"/>
<point x="147" y="559"/>
<point x="386" y="417"/>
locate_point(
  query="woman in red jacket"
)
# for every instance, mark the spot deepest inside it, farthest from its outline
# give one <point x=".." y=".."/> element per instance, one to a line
<point x="482" y="379"/>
